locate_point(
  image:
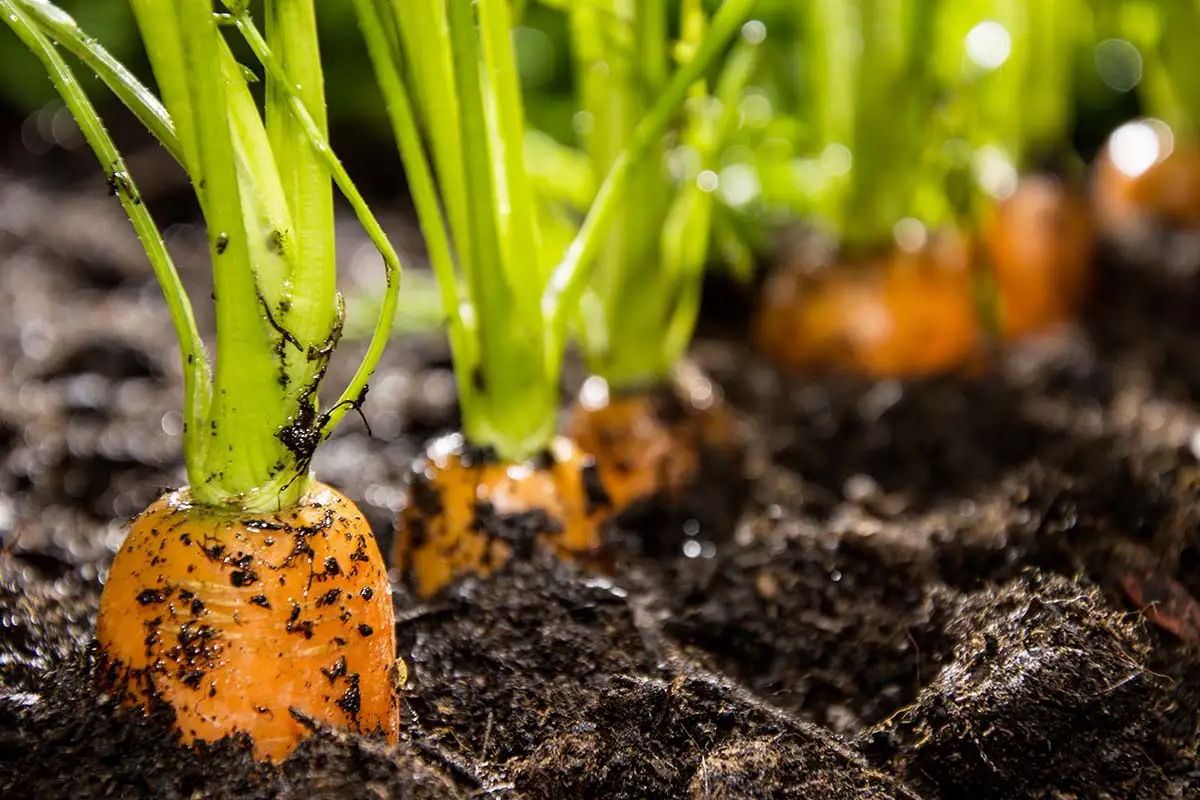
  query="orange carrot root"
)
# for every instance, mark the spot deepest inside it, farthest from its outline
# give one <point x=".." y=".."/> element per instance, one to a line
<point x="1040" y="243"/>
<point x="650" y="443"/>
<point x="917" y="313"/>
<point x="902" y="314"/>
<point x="468" y="513"/>
<point x="234" y="620"/>
<point x="1153" y="182"/>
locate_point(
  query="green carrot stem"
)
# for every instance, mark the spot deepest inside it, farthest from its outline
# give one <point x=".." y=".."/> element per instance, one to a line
<point x="513" y="408"/>
<point x="352" y="394"/>
<point x="514" y="192"/>
<point x="571" y="275"/>
<point x="1177" y="49"/>
<point x="559" y="173"/>
<point x="241" y="463"/>
<point x="423" y="31"/>
<point x="386" y="59"/>
<point x="311" y="313"/>
<point x="20" y="17"/>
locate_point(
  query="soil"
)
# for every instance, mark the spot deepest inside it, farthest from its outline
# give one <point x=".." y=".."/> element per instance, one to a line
<point x="965" y="587"/>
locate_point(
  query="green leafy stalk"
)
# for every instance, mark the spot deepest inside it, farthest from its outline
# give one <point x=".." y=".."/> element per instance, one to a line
<point x="240" y="461"/>
<point x="559" y="173"/>
<point x="252" y="427"/>
<point x="28" y="21"/>
<point x="620" y="56"/>
<point x="507" y="320"/>
<point x="383" y="45"/>
<point x="895" y="63"/>
<point x="515" y="401"/>
<point x="312" y="314"/>
<point x="386" y="311"/>
<point x="424" y="37"/>
<point x="905" y="96"/>
<point x="1020" y="107"/>
<point x="570" y="277"/>
<point x="1164" y="31"/>
<point x="639" y="310"/>
<point x="690" y="223"/>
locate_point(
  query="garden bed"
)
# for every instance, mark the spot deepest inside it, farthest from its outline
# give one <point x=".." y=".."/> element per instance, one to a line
<point x="932" y="589"/>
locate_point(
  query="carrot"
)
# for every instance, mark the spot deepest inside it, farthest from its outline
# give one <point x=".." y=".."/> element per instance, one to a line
<point x="1144" y="179"/>
<point x="243" y="622"/>
<point x="917" y="313"/>
<point x="651" y="444"/>
<point x="1147" y="176"/>
<point x="508" y="483"/>
<point x="902" y="314"/>
<point x="925" y="126"/>
<point x="1039" y="244"/>
<point x="254" y="600"/>
<point x="469" y="510"/>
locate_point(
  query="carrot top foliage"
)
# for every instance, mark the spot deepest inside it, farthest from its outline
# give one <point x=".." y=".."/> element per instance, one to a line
<point x="448" y="73"/>
<point x="263" y="180"/>
<point x="638" y="311"/>
<point x="889" y="110"/>
<point x="1164" y="33"/>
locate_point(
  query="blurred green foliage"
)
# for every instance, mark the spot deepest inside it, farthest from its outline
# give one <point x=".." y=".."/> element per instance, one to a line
<point x="1078" y="68"/>
<point x="26" y="87"/>
<point x="352" y="94"/>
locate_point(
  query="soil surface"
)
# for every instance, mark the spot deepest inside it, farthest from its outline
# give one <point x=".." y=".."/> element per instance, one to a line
<point x="975" y="587"/>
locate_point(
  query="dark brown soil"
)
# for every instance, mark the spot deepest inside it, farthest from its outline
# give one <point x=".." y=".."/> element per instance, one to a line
<point x="932" y="590"/>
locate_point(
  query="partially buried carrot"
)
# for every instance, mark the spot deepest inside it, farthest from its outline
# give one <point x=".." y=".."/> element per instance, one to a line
<point x="651" y="442"/>
<point x="469" y="511"/>
<point x="899" y="314"/>
<point x="252" y="623"/>
<point x="1145" y="178"/>
<point x="254" y="601"/>
<point x="509" y="483"/>
<point x="1039" y="244"/>
<point x="918" y="312"/>
<point x="656" y="426"/>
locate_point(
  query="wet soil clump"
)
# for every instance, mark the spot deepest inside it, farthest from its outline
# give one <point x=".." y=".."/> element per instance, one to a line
<point x="1047" y="691"/>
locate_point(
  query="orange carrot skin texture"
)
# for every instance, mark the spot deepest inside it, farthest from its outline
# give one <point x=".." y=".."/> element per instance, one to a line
<point x="443" y="535"/>
<point x="236" y="619"/>
<point x="650" y="443"/>
<point x="1040" y="243"/>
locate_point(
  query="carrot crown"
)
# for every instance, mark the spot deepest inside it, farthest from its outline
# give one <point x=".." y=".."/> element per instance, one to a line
<point x="638" y="312"/>
<point x="252" y="421"/>
<point x="508" y="297"/>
